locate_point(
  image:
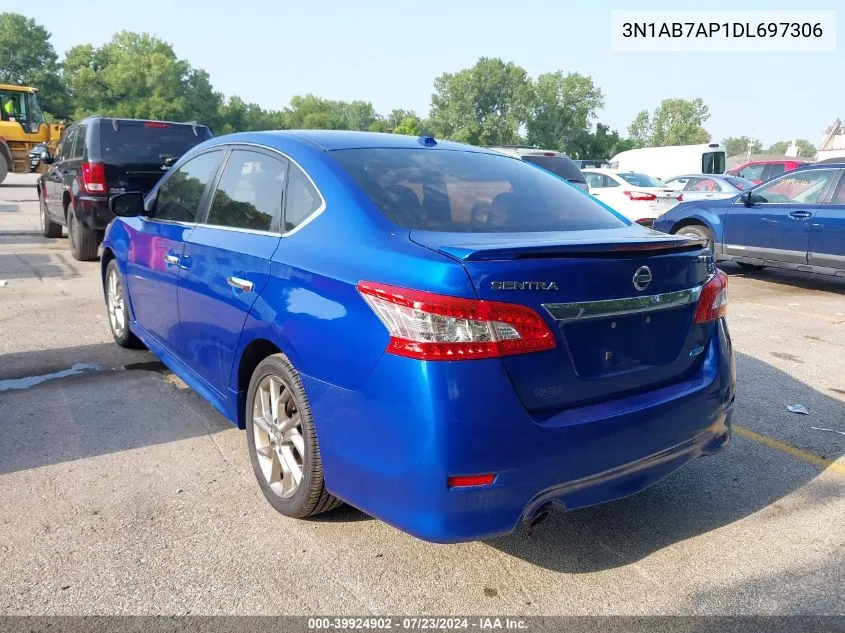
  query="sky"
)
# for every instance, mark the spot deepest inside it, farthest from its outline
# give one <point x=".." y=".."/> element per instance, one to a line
<point x="389" y="53"/>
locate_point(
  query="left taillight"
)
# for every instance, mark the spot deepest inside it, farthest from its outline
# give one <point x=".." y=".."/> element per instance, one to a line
<point x="429" y="326"/>
<point x="713" y="300"/>
<point x="94" y="177"/>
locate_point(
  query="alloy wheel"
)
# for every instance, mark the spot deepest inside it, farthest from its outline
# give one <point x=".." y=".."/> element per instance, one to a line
<point x="279" y="443"/>
<point x="116" y="305"/>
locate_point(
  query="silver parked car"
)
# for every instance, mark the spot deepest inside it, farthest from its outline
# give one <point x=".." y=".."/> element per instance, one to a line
<point x="709" y="186"/>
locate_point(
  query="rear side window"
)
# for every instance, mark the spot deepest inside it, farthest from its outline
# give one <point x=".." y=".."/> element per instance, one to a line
<point x="180" y="196"/>
<point x="147" y="142"/>
<point x="775" y="169"/>
<point x="78" y="149"/>
<point x="752" y="172"/>
<point x="302" y="199"/>
<point x="559" y="165"/>
<point x="250" y="192"/>
<point x="443" y="190"/>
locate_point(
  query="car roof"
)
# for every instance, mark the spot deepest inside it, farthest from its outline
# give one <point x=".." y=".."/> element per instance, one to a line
<point x="331" y="140"/>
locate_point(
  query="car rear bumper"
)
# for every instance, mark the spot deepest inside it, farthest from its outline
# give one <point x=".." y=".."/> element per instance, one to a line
<point x="389" y="447"/>
<point x="93" y="212"/>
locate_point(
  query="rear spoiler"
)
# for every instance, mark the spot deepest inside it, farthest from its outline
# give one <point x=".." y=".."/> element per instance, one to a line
<point x="524" y="249"/>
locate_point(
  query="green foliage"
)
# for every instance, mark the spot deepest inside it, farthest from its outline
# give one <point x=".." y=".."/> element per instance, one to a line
<point x="410" y="126"/>
<point x="805" y="148"/>
<point x="602" y="144"/>
<point x="27" y="58"/>
<point x="673" y="122"/>
<point x="737" y="146"/>
<point x="486" y="104"/>
<point x="564" y="107"/>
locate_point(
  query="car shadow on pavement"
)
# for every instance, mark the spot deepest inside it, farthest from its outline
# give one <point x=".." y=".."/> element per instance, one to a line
<point x="708" y="494"/>
<point x="28" y="266"/>
<point x="74" y="403"/>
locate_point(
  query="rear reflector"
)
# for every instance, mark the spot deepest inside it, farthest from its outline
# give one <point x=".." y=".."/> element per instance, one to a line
<point x="429" y="326"/>
<point x="680" y="197"/>
<point x="640" y="195"/>
<point x="467" y="481"/>
<point x="713" y="302"/>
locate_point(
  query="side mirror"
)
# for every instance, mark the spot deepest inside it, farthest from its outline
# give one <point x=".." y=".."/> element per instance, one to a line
<point x="46" y="158"/>
<point x="746" y="198"/>
<point x="127" y="205"/>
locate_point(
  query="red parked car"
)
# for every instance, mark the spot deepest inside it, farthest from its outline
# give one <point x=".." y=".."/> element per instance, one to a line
<point x="759" y="171"/>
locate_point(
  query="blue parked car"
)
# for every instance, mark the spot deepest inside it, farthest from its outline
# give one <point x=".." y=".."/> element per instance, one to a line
<point x="795" y="221"/>
<point x="443" y="336"/>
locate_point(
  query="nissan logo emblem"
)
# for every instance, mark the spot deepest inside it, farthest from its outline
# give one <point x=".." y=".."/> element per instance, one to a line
<point x="642" y="278"/>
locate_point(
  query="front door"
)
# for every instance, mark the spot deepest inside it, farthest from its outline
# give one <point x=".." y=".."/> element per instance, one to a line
<point x="827" y="237"/>
<point x="775" y="224"/>
<point x="54" y="177"/>
<point x="226" y="261"/>
<point x="155" y="256"/>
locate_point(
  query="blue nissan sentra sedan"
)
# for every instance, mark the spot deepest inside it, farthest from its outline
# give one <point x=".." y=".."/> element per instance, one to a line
<point x="445" y="337"/>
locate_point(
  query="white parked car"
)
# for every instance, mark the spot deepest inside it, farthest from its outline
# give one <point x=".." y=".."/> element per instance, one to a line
<point x="638" y="197"/>
<point x="709" y="186"/>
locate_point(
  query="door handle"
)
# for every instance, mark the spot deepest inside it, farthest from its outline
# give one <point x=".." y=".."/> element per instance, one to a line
<point x="240" y="284"/>
<point x="171" y="260"/>
<point x="800" y="215"/>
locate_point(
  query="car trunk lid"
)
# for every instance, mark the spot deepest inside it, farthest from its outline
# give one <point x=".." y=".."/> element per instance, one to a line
<point x="620" y="302"/>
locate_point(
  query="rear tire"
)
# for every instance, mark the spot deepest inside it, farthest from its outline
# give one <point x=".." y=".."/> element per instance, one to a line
<point x="282" y="441"/>
<point x="48" y="227"/>
<point x="118" y="311"/>
<point x="697" y="231"/>
<point x="750" y="267"/>
<point x="84" y="242"/>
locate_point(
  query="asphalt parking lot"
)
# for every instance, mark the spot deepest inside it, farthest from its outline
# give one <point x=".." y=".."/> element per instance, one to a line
<point x="122" y="492"/>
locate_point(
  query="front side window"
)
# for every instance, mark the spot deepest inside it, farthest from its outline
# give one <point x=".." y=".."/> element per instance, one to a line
<point x="752" y="172"/>
<point x="803" y="187"/>
<point x="180" y="196"/>
<point x="740" y="183"/>
<point x="445" y="190"/>
<point x="302" y="199"/>
<point x="250" y="192"/>
<point x="66" y="146"/>
<point x="775" y="169"/>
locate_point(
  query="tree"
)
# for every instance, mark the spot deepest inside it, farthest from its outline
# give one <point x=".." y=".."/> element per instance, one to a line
<point x="486" y="104"/>
<point x="674" y="122"/>
<point x="137" y="75"/>
<point x="805" y="147"/>
<point x="410" y="125"/>
<point x="602" y="144"/>
<point x="738" y="146"/>
<point x="27" y="57"/>
<point x="564" y="107"/>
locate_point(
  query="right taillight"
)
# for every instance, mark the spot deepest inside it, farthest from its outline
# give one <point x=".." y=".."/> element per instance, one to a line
<point x="429" y="326"/>
<point x="713" y="301"/>
<point x="640" y="195"/>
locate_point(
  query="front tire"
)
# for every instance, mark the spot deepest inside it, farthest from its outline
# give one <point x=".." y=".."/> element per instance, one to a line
<point x="697" y="231"/>
<point x="48" y="227"/>
<point x="118" y="311"/>
<point x="84" y="242"/>
<point x="282" y="441"/>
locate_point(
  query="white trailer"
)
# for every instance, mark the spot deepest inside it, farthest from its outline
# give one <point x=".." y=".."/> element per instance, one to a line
<point x="676" y="160"/>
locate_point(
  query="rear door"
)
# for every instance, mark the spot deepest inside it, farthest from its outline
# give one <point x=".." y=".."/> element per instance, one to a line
<point x="137" y="154"/>
<point x="776" y="225"/>
<point x="827" y="235"/>
<point x="226" y="260"/>
<point x="157" y="243"/>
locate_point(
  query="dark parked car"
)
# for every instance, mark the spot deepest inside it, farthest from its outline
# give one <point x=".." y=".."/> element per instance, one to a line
<point x="796" y="221"/>
<point x="99" y="157"/>
<point x="446" y="337"/>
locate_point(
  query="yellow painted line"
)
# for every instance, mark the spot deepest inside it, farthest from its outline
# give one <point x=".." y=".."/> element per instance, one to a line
<point x="805" y="456"/>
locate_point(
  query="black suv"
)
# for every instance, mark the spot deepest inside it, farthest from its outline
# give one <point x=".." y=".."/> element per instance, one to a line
<point x="99" y="157"/>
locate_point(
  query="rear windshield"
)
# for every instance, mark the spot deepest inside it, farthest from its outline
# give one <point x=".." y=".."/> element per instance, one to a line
<point x="441" y="190"/>
<point x="559" y="165"/>
<point x="148" y="142"/>
<point x="713" y="163"/>
<point x="740" y="183"/>
<point x="641" y="180"/>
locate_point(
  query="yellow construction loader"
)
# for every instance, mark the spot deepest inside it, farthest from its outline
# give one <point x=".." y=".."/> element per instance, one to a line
<point x="23" y="129"/>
